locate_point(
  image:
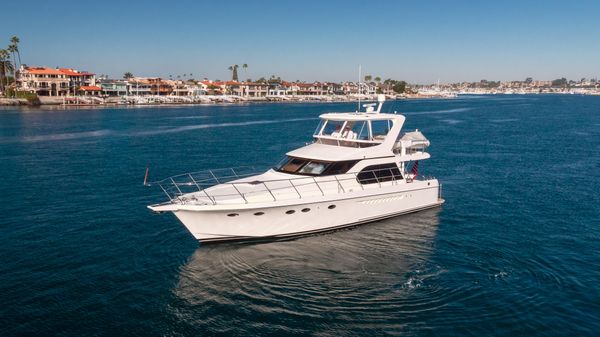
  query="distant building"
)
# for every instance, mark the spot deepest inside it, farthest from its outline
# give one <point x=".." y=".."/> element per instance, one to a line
<point x="113" y="87"/>
<point x="247" y="89"/>
<point x="136" y="87"/>
<point x="89" y="90"/>
<point x="46" y="81"/>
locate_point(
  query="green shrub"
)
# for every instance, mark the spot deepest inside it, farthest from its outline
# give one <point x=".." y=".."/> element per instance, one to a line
<point x="31" y="97"/>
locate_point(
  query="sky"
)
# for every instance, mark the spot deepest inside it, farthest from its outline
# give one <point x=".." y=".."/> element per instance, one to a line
<point x="417" y="41"/>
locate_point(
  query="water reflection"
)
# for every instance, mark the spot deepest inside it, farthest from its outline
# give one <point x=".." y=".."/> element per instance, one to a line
<point x="366" y="271"/>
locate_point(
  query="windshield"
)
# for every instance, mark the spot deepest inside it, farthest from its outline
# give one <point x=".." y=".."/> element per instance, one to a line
<point x="314" y="167"/>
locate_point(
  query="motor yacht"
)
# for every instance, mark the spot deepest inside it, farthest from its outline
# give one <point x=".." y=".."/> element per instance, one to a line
<point x="360" y="167"/>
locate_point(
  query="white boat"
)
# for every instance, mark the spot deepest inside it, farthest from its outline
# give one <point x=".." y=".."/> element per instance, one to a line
<point x="359" y="168"/>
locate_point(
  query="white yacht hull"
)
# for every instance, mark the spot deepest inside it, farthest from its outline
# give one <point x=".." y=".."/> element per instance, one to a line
<point x="311" y="215"/>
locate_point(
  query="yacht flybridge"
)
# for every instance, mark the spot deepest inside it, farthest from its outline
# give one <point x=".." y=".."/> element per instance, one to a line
<point x="359" y="168"/>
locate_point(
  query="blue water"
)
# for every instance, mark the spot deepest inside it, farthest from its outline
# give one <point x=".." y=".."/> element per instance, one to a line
<point x="514" y="251"/>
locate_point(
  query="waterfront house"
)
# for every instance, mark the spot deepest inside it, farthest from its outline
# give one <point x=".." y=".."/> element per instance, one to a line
<point x="113" y="88"/>
<point x="247" y="89"/>
<point x="136" y="87"/>
<point x="277" y="90"/>
<point x="46" y="81"/>
<point x="89" y="90"/>
<point x="158" y="86"/>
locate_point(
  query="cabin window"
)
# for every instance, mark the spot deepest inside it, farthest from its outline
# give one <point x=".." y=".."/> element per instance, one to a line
<point x="356" y="130"/>
<point x="379" y="173"/>
<point x="319" y="127"/>
<point x="292" y="165"/>
<point x="340" y="167"/>
<point x="314" y="167"/>
<point x="333" y="128"/>
<point x="379" y="129"/>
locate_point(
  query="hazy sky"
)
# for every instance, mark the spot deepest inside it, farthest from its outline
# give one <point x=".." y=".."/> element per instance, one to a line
<point x="418" y="41"/>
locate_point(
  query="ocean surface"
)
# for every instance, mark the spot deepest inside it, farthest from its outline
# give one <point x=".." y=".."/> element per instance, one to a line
<point x="514" y="251"/>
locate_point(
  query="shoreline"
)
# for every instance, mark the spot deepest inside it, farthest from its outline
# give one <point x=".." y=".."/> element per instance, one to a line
<point x="111" y="102"/>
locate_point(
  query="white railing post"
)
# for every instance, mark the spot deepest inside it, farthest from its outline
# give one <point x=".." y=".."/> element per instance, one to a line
<point x="274" y="199"/>
<point x="339" y="185"/>
<point x="316" y="183"/>
<point x="241" y="194"/>
<point x="292" y="183"/>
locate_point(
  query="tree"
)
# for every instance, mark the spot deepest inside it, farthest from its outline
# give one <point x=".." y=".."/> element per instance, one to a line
<point x="377" y="79"/>
<point x="13" y="49"/>
<point x="399" y="87"/>
<point x="561" y="82"/>
<point x="368" y="78"/>
<point x="528" y="80"/>
<point x="15" y="41"/>
<point x="234" y="74"/>
<point x="128" y="75"/>
<point x="5" y="68"/>
<point x="261" y="80"/>
<point x="245" y="67"/>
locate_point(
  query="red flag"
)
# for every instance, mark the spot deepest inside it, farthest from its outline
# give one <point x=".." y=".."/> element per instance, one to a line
<point x="415" y="169"/>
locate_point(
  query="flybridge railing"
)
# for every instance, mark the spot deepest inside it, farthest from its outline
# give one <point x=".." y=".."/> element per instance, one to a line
<point x="193" y="188"/>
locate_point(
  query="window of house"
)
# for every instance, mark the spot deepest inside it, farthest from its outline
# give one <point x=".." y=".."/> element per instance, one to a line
<point x="379" y="173"/>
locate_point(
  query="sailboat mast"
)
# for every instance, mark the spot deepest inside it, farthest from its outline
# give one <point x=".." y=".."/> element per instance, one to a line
<point x="358" y="90"/>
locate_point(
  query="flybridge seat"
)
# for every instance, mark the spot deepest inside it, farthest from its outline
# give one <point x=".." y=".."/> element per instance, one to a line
<point x="411" y="142"/>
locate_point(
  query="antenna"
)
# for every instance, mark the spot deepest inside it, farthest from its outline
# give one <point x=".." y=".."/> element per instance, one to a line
<point x="359" y="70"/>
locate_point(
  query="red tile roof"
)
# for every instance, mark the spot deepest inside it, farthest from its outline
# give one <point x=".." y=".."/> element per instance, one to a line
<point x="59" y="71"/>
<point x="43" y="71"/>
<point x="71" y="72"/>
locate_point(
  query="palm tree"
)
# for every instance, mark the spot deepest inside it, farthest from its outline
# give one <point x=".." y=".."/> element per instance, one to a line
<point x="15" y="41"/>
<point x="5" y="67"/>
<point x="234" y="74"/>
<point x="128" y="76"/>
<point x="245" y="67"/>
<point x="13" y="49"/>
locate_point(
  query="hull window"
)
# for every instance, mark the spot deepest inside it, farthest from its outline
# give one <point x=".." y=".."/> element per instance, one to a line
<point x="291" y="211"/>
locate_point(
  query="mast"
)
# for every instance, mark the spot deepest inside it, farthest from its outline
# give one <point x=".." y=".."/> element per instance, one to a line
<point x="358" y="90"/>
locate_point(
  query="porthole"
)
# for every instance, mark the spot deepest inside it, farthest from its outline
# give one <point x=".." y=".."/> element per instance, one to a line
<point x="331" y="206"/>
<point x="291" y="211"/>
<point x="232" y="214"/>
<point x="304" y="210"/>
<point x="259" y="213"/>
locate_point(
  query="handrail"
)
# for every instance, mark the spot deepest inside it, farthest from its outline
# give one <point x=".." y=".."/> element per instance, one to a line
<point x="176" y="190"/>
